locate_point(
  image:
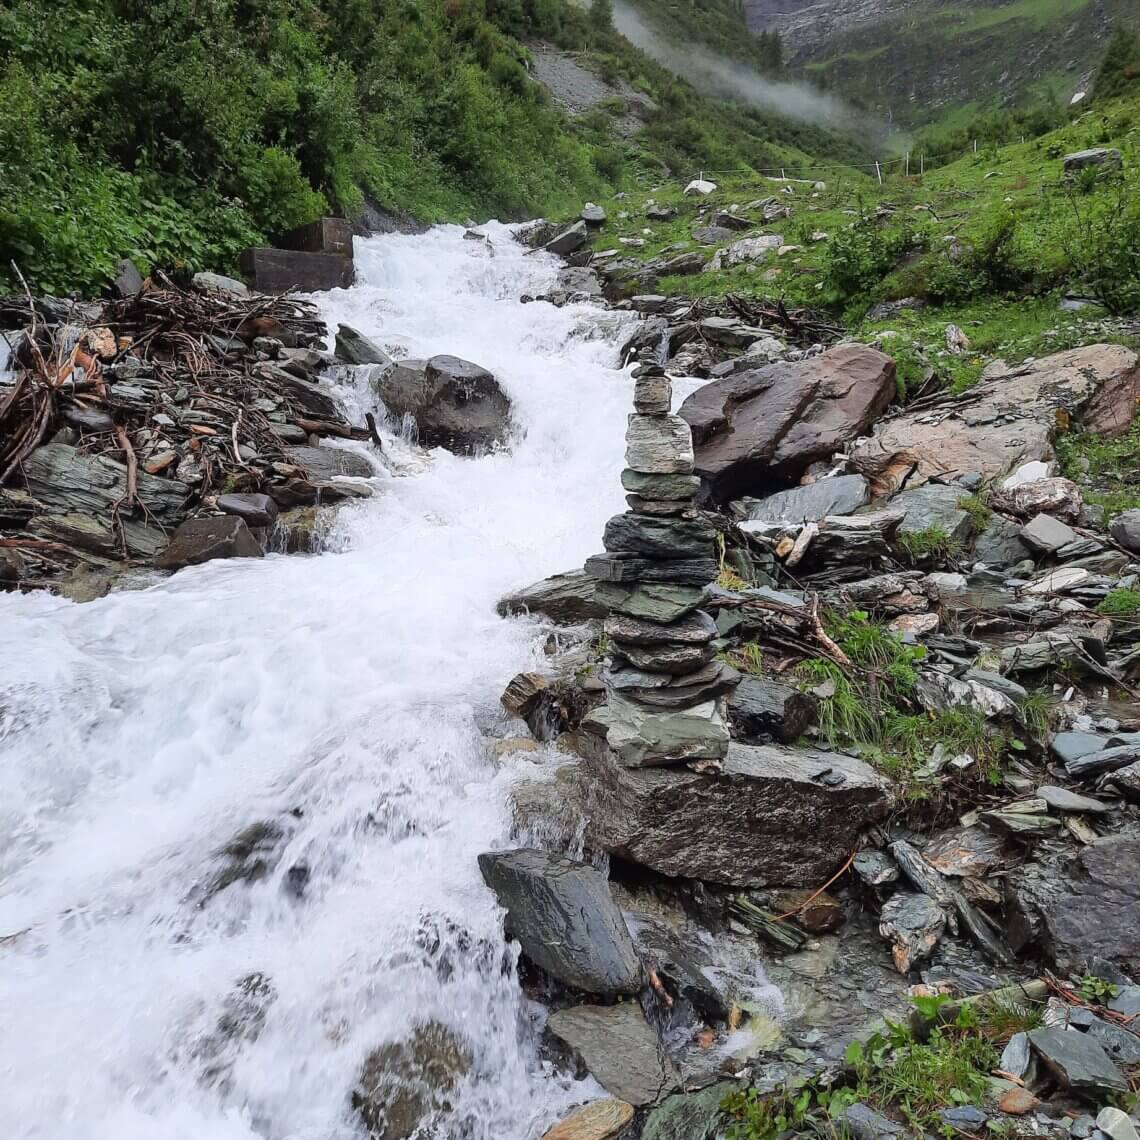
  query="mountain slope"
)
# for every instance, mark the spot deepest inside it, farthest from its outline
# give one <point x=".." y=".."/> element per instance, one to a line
<point x="917" y="59"/>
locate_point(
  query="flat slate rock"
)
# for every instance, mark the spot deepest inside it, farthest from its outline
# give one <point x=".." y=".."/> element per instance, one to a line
<point x="658" y="538"/>
<point x="809" y="503"/>
<point x="1077" y="1062"/>
<point x="564" y="917"/>
<point x="567" y="599"/>
<point x="660" y="602"/>
<point x="620" y="1048"/>
<point x="934" y="507"/>
<point x="689" y="1116"/>
<point x="661" y="486"/>
<point x="257" y="510"/>
<point x="659" y="445"/>
<point x="631" y="569"/>
<point x="695" y="629"/>
<point x="756" y="823"/>
<point x="1061" y="799"/>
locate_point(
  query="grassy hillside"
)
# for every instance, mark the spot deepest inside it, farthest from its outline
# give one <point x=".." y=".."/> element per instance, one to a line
<point x="178" y="131"/>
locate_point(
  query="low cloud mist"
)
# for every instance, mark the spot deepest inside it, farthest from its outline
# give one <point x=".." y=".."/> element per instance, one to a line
<point x="714" y="75"/>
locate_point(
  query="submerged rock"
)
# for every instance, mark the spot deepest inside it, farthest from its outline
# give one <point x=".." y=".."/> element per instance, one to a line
<point x="620" y="1049"/>
<point x="454" y="404"/>
<point x="565" y="919"/>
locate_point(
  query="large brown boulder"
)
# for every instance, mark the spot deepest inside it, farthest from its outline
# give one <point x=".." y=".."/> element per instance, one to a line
<point x="1008" y="419"/>
<point x="757" y="431"/>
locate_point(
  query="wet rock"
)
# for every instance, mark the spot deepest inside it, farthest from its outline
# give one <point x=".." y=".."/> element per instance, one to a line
<point x="865" y="1123"/>
<point x="661" y="602"/>
<point x="1096" y="156"/>
<point x="1009" y="419"/>
<point x="816" y="912"/>
<point x="1061" y="799"/>
<point x="1105" y="760"/>
<point x="964" y="1119"/>
<point x="1125" y="529"/>
<point x="549" y="707"/>
<point x="761" y="710"/>
<point x="771" y="424"/>
<point x="1088" y="909"/>
<point x="999" y="544"/>
<point x="688" y="1116"/>
<point x="66" y="481"/>
<point x="629" y="568"/>
<point x="567" y="599"/>
<point x="756" y="823"/>
<point x="876" y="868"/>
<point x="1069" y="746"/>
<point x="619" y="1048"/>
<point x="661" y="486"/>
<point x="659" y="445"/>
<point x="935" y="507"/>
<point x="325" y="464"/>
<point x="695" y="629"/>
<point x="570" y="239"/>
<point x="602" y="1120"/>
<point x="811" y="502"/>
<point x="257" y="510"/>
<point x="404" y="1084"/>
<point x="1046" y="535"/>
<point x="913" y="923"/>
<point x="663" y="538"/>
<point x="1077" y="1062"/>
<point x="204" y="539"/>
<point x="562" y="914"/>
<point x="355" y="348"/>
<point x="640" y="735"/>
<point x="454" y="404"/>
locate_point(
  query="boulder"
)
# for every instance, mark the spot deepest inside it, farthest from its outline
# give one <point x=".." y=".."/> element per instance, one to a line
<point x="203" y="540"/>
<point x="324" y="464"/>
<point x="221" y="286"/>
<point x="405" y="1083"/>
<point x="355" y="348"/>
<point x="1085" y="910"/>
<point x="729" y="332"/>
<point x="764" y="427"/>
<point x="631" y="568"/>
<point x="1006" y="420"/>
<point x="570" y="239"/>
<point x="566" y="599"/>
<point x="1046" y="535"/>
<point x="1060" y="498"/>
<point x="711" y="235"/>
<point x="1077" y="1062"/>
<point x="774" y="816"/>
<point x="652" y="602"/>
<point x="663" y="538"/>
<point x="127" y="280"/>
<point x="762" y="709"/>
<point x="999" y="545"/>
<point x="641" y="736"/>
<point x="1095" y="156"/>
<point x="564" y="918"/>
<point x="935" y="507"/>
<point x="689" y="1116"/>
<point x="811" y="502"/>
<point x="453" y="403"/>
<point x="592" y="214"/>
<point x="257" y="510"/>
<point x="1125" y="529"/>
<point x="619" y="1048"/>
<point x="746" y="250"/>
<point x="100" y="535"/>
<point x="699" y="186"/>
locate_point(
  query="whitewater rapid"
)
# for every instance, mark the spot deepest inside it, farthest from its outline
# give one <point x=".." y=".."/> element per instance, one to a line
<point x="343" y="699"/>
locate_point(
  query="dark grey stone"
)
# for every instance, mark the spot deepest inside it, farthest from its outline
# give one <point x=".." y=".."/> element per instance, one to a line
<point x="454" y="404"/>
<point x="1069" y="746"/>
<point x="257" y="510"/>
<point x="1125" y="529"/>
<point x="933" y="506"/>
<point x="694" y="629"/>
<point x="1046" y="535"/>
<point x="762" y="709"/>
<point x="999" y="544"/>
<point x="1077" y="1061"/>
<point x="671" y="486"/>
<point x="809" y="503"/>
<point x="354" y="347"/>
<point x="651" y="601"/>
<point x="631" y="569"/>
<point x="203" y="540"/>
<point x="1016" y="1055"/>
<point x="562" y="914"/>
<point x="669" y="658"/>
<point x="864" y="1123"/>
<point x="567" y="599"/>
<point x="327" y="463"/>
<point x="127" y="281"/>
<point x="569" y="240"/>
<point x="689" y="1116"/>
<point x="658" y="538"/>
<point x="1121" y="1045"/>
<point x="1061" y="799"/>
<point x="964" y="1118"/>
<point x="620" y="1049"/>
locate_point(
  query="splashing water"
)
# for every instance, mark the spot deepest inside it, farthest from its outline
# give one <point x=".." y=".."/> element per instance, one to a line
<point x="329" y="710"/>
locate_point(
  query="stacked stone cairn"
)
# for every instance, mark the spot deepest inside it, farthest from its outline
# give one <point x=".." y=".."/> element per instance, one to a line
<point x="665" y="689"/>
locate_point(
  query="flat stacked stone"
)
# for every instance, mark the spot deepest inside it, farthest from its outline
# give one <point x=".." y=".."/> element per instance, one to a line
<point x="665" y="690"/>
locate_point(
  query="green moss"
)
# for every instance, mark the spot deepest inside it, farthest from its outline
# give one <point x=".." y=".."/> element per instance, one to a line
<point x="1121" y="603"/>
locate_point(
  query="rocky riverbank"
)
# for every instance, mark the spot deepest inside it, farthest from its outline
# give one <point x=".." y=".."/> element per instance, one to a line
<point x="919" y="642"/>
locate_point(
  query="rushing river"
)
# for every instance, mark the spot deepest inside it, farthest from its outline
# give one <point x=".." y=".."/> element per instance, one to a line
<point x="342" y="699"/>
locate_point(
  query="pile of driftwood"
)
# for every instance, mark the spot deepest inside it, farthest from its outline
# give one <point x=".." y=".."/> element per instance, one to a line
<point x="119" y="419"/>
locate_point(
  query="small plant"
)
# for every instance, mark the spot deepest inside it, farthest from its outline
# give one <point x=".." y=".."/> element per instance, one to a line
<point x="1035" y="711"/>
<point x="727" y="578"/>
<point x="1120" y="603"/>
<point x="930" y="545"/>
<point x="1000" y="1017"/>
<point x="977" y="508"/>
<point x="1097" y="990"/>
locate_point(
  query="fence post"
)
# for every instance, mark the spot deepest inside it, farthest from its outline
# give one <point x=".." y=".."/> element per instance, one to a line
<point x="908" y="164"/>
<point x="975" y="146"/>
<point x="922" y="164"/>
<point x="879" y="172"/>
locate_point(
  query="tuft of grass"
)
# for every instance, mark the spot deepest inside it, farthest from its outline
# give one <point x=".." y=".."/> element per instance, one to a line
<point x="1035" y="710"/>
<point x="977" y="508"/>
<point x="1120" y="603"/>
<point x="930" y="545"/>
<point x="999" y="1018"/>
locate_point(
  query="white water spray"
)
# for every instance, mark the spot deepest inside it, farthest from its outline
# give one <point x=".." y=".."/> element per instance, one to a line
<point x="340" y="699"/>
